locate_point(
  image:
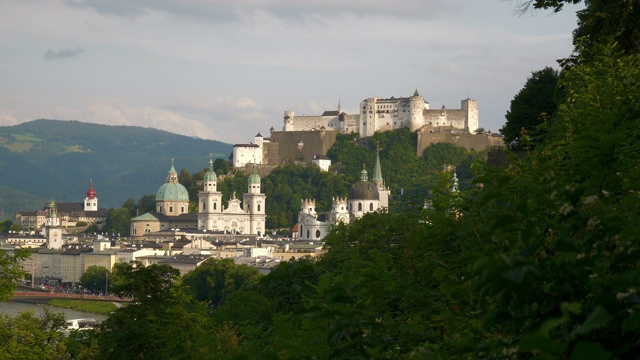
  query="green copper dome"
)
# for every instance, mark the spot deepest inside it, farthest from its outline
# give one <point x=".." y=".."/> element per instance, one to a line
<point x="210" y="175"/>
<point x="254" y="178"/>
<point x="172" y="190"/>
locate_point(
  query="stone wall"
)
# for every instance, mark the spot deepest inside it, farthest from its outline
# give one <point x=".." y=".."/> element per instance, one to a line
<point x="300" y="146"/>
<point x="477" y="142"/>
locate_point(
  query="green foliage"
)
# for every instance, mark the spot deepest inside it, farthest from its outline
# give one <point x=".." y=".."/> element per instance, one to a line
<point x="146" y="284"/>
<point x="118" y="221"/>
<point x="286" y="186"/>
<point x="147" y="203"/>
<point x="11" y="271"/>
<point x="408" y="176"/>
<point x="30" y="337"/>
<point x="221" y="166"/>
<point x="90" y="306"/>
<point x="5" y="226"/>
<point x="95" y="278"/>
<point x="215" y="279"/>
<point x="533" y="105"/>
<point x="165" y="322"/>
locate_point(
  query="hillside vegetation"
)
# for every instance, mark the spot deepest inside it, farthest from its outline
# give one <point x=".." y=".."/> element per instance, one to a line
<point x="57" y="159"/>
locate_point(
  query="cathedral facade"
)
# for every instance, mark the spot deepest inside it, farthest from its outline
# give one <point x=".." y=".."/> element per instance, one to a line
<point x="245" y="217"/>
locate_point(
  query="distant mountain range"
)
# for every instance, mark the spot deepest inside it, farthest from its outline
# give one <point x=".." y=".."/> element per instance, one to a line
<point x="52" y="159"/>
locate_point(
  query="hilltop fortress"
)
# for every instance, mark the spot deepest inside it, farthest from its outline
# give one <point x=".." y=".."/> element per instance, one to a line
<point x="378" y="114"/>
<point x="304" y="139"/>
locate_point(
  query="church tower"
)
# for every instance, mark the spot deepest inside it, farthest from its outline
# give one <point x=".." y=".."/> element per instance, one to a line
<point x="91" y="201"/>
<point x="254" y="202"/>
<point x="377" y="180"/>
<point x="339" y="211"/>
<point x="53" y="230"/>
<point x="210" y="200"/>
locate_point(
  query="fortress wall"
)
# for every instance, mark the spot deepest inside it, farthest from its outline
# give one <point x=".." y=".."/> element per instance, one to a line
<point x="349" y="124"/>
<point x="302" y="123"/>
<point x="263" y="170"/>
<point x="301" y="146"/>
<point x="455" y="118"/>
<point x="271" y="153"/>
<point x="476" y="142"/>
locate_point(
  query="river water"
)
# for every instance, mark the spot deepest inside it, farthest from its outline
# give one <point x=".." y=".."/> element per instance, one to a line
<point x="12" y="308"/>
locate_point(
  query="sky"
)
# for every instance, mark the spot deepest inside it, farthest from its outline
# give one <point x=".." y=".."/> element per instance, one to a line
<point x="228" y="69"/>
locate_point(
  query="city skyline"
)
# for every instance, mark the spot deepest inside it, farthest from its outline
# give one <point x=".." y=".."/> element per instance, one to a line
<point x="226" y="71"/>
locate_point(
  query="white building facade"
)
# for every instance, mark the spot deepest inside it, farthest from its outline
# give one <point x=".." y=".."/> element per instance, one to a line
<point x="244" y="217"/>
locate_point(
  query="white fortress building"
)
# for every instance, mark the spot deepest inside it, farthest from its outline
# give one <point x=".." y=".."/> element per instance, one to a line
<point x="378" y="114"/>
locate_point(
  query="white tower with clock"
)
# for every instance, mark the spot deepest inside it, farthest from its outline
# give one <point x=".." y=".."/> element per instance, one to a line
<point x="53" y="230"/>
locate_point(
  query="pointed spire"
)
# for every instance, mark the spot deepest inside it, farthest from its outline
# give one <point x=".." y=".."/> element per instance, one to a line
<point x="339" y="107"/>
<point x="454" y="183"/>
<point x="415" y="93"/>
<point x="377" y="172"/>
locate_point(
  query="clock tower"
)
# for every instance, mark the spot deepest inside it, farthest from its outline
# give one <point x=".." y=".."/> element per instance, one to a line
<point x="53" y="229"/>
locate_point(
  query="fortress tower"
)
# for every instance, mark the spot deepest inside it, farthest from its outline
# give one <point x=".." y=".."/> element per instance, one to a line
<point x="470" y="107"/>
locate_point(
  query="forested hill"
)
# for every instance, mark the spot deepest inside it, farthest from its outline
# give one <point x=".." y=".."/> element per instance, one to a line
<point x="57" y="159"/>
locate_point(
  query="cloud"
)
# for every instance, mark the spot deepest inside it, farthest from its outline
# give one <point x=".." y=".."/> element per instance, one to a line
<point x="63" y="53"/>
<point x="239" y="10"/>
<point x="8" y="120"/>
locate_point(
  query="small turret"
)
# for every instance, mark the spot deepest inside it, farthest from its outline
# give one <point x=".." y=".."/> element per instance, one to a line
<point x="308" y="206"/>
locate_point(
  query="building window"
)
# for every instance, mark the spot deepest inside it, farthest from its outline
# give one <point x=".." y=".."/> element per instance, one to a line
<point x="170" y="209"/>
<point x="307" y="233"/>
<point x="258" y="207"/>
<point x="317" y="234"/>
<point x="215" y="206"/>
<point x="359" y="206"/>
<point x="182" y="209"/>
<point x="204" y="206"/>
<point x="371" y="207"/>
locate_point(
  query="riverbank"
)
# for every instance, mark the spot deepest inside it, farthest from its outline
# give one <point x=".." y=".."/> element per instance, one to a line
<point x="13" y="308"/>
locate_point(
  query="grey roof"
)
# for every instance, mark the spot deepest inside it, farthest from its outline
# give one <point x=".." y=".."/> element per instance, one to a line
<point x="331" y="113"/>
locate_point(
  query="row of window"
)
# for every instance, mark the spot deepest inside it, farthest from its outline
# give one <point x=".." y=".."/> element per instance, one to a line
<point x="171" y="209"/>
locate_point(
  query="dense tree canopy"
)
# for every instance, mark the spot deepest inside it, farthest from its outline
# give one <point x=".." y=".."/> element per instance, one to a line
<point x="30" y="337"/>
<point x="533" y="105"/>
<point x="95" y="279"/>
<point x="11" y="271"/>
